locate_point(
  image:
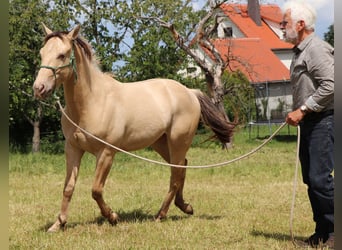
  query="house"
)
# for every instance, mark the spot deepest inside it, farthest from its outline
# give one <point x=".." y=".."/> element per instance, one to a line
<point x="260" y="53"/>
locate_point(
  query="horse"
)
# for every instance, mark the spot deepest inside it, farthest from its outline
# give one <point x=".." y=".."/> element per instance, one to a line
<point x="161" y="114"/>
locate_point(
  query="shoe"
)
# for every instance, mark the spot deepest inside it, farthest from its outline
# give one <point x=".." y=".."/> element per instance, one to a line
<point x="315" y="240"/>
<point x="330" y="242"/>
<point x="320" y="241"/>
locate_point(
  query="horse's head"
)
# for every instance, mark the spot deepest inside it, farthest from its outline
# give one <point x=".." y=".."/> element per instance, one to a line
<point x="57" y="61"/>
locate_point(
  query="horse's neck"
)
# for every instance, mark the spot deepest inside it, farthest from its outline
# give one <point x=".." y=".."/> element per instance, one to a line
<point x="83" y="92"/>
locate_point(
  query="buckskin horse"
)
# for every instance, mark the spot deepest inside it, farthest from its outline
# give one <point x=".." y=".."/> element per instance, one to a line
<point x="158" y="113"/>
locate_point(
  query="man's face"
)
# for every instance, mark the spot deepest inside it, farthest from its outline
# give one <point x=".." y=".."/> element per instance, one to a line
<point x="289" y="28"/>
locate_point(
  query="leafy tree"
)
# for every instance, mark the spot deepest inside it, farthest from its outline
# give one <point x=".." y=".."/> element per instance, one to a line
<point x="25" y="40"/>
<point x="105" y="24"/>
<point x="153" y="54"/>
<point x="238" y="94"/>
<point x="329" y="35"/>
<point x="23" y="50"/>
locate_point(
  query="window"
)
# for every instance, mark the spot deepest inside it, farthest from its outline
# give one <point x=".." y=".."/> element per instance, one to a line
<point x="228" y="31"/>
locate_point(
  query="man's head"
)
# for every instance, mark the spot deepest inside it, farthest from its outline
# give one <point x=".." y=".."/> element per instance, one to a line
<point x="298" y="21"/>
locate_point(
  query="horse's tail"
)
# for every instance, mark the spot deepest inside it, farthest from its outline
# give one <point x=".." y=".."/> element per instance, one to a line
<point x="213" y="118"/>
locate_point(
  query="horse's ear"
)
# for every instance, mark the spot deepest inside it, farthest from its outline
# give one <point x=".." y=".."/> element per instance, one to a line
<point x="74" y="33"/>
<point x="47" y="31"/>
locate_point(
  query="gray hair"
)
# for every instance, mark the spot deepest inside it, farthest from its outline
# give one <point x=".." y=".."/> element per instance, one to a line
<point x="301" y="10"/>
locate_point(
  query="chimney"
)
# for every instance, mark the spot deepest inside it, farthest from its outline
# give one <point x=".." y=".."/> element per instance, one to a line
<point x="254" y="11"/>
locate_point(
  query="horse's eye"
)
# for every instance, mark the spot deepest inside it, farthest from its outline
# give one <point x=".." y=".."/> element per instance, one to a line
<point x="61" y="57"/>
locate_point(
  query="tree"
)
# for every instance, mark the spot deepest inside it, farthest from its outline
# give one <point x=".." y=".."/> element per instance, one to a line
<point x="214" y="72"/>
<point x="25" y="41"/>
<point x="153" y="54"/>
<point x="238" y="93"/>
<point x="329" y="35"/>
<point x="104" y="24"/>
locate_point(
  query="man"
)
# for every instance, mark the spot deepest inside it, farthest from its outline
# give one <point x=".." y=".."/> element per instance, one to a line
<point x="312" y="76"/>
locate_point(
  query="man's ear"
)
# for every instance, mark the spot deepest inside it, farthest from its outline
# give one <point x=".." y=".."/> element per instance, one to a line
<point x="302" y="24"/>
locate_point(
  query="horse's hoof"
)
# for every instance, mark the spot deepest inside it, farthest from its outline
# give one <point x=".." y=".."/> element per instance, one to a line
<point x="159" y="218"/>
<point x="186" y="208"/>
<point x="114" y="218"/>
<point x="189" y="209"/>
<point x="55" y="227"/>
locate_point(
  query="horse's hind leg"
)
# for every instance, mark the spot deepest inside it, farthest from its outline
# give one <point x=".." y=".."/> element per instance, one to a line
<point x="73" y="160"/>
<point x="179" y="201"/>
<point x="103" y="165"/>
<point x="176" y="180"/>
<point x="175" y="190"/>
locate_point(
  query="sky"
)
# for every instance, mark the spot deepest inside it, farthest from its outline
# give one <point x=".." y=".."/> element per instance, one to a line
<point x="324" y="9"/>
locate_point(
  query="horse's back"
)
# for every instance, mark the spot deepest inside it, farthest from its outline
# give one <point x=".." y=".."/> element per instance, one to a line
<point x="164" y="93"/>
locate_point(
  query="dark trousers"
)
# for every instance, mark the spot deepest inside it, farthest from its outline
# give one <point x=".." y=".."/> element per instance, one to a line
<point x="317" y="161"/>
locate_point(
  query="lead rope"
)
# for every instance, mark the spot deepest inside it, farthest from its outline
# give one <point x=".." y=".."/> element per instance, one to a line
<point x="295" y="182"/>
<point x="164" y="163"/>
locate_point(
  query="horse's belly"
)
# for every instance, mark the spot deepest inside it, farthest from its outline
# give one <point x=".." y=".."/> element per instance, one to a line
<point x="128" y="142"/>
<point x="140" y="139"/>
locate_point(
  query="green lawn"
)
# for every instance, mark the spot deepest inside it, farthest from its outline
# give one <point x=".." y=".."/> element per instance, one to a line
<point x="245" y="205"/>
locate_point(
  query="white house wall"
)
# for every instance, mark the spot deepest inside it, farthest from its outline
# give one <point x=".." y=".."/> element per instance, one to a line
<point x="285" y="56"/>
<point x="197" y="73"/>
<point x="275" y="28"/>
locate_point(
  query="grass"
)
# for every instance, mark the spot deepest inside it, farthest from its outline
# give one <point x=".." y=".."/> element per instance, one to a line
<point x="245" y="205"/>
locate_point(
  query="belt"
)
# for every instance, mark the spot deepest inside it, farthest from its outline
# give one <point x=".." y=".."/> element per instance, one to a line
<point x="318" y="115"/>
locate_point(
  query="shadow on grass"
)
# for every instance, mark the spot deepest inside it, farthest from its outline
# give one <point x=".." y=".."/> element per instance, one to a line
<point x="280" y="138"/>
<point x="275" y="235"/>
<point x="210" y="217"/>
<point x="286" y="138"/>
<point x="135" y="216"/>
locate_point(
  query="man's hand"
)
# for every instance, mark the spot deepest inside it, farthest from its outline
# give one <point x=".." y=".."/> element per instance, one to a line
<point x="294" y="117"/>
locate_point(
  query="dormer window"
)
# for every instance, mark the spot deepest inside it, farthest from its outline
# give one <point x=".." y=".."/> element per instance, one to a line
<point x="228" y="31"/>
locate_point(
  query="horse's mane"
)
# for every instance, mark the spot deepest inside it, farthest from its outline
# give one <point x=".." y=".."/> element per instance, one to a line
<point x="79" y="41"/>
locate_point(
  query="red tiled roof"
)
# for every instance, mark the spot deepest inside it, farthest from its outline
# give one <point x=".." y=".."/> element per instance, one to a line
<point x="238" y="14"/>
<point x="252" y="57"/>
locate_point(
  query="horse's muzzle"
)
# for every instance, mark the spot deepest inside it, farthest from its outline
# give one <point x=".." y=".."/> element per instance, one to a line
<point x="41" y="90"/>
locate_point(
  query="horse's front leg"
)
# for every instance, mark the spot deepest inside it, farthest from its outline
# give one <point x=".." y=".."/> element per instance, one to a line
<point x="73" y="160"/>
<point x="103" y="165"/>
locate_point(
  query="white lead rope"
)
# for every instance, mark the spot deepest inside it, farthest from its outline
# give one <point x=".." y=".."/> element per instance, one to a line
<point x="169" y="164"/>
<point x="294" y="187"/>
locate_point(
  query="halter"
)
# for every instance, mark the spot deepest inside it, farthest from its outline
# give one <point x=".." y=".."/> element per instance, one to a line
<point x="71" y="63"/>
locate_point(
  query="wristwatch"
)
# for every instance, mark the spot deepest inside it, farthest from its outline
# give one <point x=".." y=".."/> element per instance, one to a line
<point x="304" y="109"/>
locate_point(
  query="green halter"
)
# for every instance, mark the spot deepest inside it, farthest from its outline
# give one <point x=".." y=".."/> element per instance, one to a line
<point x="71" y="63"/>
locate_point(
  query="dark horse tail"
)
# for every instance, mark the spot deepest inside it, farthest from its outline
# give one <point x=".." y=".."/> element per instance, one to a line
<point x="213" y="118"/>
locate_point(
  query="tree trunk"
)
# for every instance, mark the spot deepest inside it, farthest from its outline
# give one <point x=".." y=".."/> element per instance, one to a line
<point x="36" y="137"/>
<point x="216" y="91"/>
<point x="36" y="129"/>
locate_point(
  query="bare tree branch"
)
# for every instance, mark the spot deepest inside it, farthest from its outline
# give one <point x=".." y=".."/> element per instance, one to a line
<point x="201" y="37"/>
<point x="180" y="41"/>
